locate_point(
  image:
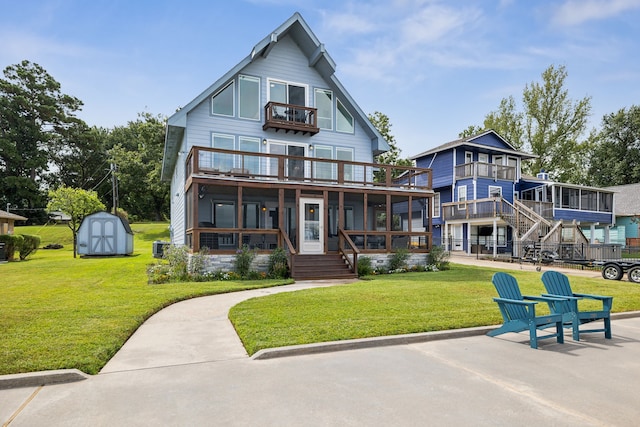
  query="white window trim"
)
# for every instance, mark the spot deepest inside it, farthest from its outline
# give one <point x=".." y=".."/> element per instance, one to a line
<point x="436" y="205"/>
<point x="287" y="82"/>
<point x="315" y="100"/>
<point x="468" y="157"/>
<point x="462" y="190"/>
<point x="353" y="154"/>
<point x="317" y="148"/>
<point x="495" y="187"/>
<point x="353" y="120"/>
<point x="259" y="95"/>
<point x="233" y="108"/>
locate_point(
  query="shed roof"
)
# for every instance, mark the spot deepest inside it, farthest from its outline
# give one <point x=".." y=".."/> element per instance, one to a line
<point x="9" y="215"/>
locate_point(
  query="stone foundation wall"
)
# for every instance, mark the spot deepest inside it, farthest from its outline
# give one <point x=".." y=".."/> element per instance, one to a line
<point x="260" y="263"/>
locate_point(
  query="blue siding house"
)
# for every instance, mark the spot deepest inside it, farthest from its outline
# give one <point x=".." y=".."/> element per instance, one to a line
<point x="483" y="204"/>
<point x="277" y="154"/>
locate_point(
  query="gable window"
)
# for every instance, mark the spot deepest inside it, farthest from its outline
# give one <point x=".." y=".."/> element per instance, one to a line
<point x="324" y="104"/>
<point x="249" y="97"/>
<point x="344" y="122"/>
<point x="222" y="102"/>
<point x="436" y="205"/>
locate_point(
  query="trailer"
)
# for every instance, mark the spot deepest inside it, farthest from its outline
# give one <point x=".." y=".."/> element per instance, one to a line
<point x="614" y="270"/>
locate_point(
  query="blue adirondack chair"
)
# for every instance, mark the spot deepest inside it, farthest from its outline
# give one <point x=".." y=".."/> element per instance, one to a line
<point x="557" y="285"/>
<point x="519" y="312"/>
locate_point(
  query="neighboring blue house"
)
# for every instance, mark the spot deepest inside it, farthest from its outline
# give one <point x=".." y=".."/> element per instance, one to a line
<point x="277" y="154"/>
<point x="483" y="204"/>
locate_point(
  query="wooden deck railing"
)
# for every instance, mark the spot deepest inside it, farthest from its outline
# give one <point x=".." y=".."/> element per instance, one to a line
<point x="290" y="117"/>
<point x="265" y="166"/>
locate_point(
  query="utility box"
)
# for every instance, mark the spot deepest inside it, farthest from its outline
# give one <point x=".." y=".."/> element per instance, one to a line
<point x="158" y="248"/>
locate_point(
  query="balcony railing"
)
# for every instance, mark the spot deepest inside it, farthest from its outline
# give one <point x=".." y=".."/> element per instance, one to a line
<point x="476" y="209"/>
<point x="485" y="170"/>
<point x="278" y="167"/>
<point x="289" y="117"/>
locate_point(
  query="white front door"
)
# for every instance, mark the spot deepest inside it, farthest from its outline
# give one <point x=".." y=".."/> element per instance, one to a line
<point x="312" y="226"/>
<point x="456" y="231"/>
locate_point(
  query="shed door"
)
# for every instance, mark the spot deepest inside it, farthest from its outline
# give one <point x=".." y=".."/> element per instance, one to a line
<point x="102" y="236"/>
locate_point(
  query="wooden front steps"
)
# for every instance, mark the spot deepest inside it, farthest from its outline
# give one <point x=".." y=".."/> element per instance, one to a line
<point x="325" y="266"/>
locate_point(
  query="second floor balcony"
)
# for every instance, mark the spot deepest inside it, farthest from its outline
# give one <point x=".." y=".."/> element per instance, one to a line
<point x="486" y="170"/>
<point x="220" y="163"/>
<point x="290" y="118"/>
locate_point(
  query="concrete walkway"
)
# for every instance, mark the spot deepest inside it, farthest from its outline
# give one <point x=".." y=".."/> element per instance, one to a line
<point x="186" y="366"/>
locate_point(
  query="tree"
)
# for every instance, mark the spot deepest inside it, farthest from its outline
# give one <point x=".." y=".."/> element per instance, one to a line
<point x="77" y="203"/>
<point x="616" y="156"/>
<point x="550" y="126"/>
<point x="391" y="157"/>
<point x="80" y="159"/>
<point x="137" y="151"/>
<point x="32" y="111"/>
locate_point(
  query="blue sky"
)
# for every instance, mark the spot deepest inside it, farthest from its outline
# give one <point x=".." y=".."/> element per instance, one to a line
<point x="434" y="67"/>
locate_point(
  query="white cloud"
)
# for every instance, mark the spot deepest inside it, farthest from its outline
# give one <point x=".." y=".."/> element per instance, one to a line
<point x="435" y="23"/>
<point x="576" y="12"/>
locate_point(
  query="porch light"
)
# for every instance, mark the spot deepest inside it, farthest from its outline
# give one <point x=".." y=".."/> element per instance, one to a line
<point x="310" y="147"/>
<point x="264" y="141"/>
<point x="264" y="208"/>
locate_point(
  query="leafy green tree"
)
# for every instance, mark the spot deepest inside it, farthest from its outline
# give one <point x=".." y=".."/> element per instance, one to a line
<point x="137" y="151"/>
<point x="392" y="157"/>
<point x="80" y="159"/>
<point x="551" y="125"/>
<point x="616" y="156"/>
<point x="33" y="111"/>
<point x="77" y="203"/>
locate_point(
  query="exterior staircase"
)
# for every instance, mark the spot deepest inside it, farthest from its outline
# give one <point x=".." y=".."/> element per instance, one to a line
<point x="324" y="266"/>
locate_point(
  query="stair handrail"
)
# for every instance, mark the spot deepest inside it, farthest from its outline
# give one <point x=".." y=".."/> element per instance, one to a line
<point x="552" y="232"/>
<point x="344" y="237"/>
<point x="521" y="206"/>
<point x="289" y="249"/>
<point x="506" y="205"/>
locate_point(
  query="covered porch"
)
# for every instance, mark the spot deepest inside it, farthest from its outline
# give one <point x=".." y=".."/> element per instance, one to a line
<point x="305" y="205"/>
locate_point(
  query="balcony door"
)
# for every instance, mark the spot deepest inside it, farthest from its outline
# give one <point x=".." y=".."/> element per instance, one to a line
<point x="312" y="226"/>
<point x="294" y="168"/>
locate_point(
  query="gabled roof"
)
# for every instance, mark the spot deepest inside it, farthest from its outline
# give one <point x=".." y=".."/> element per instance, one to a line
<point x="627" y="199"/>
<point x="11" y="216"/>
<point x="318" y="57"/>
<point x="472" y="142"/>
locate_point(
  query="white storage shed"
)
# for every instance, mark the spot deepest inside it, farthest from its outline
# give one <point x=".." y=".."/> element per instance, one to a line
<point x="103" y="233"/>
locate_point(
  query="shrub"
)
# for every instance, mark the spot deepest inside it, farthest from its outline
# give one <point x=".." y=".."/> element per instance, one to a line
<point x="244" y="258"/>
<point x="198" y="264"/>
<point x="158" y="273"/>
<point x="364" y="266"/>
<point x="278" y="267"/>
<point x="398" y="260"/>
<point x="178" y="259"/>
<point x="53" y="246"/>
<point x="438" y="259"/>
<point x="29" y="246"/>
<point x="12" y="242"/>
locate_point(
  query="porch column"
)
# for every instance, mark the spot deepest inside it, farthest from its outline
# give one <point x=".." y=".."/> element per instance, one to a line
<point x="607" y="235"/>
<point x="495" y="238"/>
<point x="592" y="237"/>
<point x="445" y="237"/>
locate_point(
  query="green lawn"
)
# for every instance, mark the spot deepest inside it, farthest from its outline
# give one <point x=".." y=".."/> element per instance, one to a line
<point x="397" y="304"/>
<point x="59" y="312"/>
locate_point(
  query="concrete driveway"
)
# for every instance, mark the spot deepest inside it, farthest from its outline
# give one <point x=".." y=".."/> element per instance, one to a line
<point x="186" y="367"/>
